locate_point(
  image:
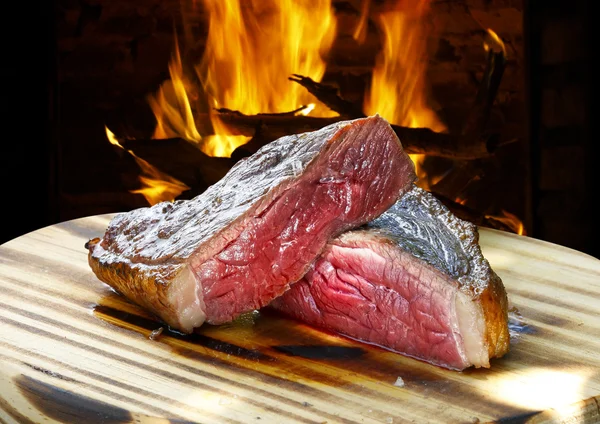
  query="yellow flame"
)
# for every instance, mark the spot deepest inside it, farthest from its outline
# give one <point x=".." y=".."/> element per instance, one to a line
<point x="156" y="185"/>
<point x="494" y="42"/>
<point x="171" y="105"/>
<point x="112" y="137"/>
<point x="511" y="221"/>
<point x="361" y="30"/>
<point x="308" y="109"/>
<point x="222" y="143"/>
<point x="251" y="51"/>
<point x="252" y="47"/>
<point x="397" y="89"/>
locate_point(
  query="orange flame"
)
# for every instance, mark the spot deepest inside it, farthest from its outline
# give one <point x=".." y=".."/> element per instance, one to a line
<point x="360" y="32"/>
<point x="252" y="48"/>
<point x="172" y="107"/>
<point x="397" y="90"/>
<point x="494" y="42"/>
<point x="511" y="220"/>
<point x="156" y="185"/>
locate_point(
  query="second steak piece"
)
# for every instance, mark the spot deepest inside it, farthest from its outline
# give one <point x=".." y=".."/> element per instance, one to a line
<point x="242" y="242"/>
<point x="414" y="281"/>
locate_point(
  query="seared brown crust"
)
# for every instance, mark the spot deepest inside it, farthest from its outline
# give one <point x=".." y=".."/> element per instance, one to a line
<point x="475" y="317"/>
<point x="494" y="303"/>
<point x="146" y="285"/>
<point x="423" y="226"/>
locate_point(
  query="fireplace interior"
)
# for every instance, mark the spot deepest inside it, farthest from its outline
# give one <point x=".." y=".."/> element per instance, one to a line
<point x="99" y="68"/>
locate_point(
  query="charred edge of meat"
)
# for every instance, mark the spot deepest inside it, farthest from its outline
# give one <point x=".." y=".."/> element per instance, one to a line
<point x="423" y="226"/>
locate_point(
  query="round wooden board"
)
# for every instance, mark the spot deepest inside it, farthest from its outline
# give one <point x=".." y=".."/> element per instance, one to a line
<point x="71" y="350"/>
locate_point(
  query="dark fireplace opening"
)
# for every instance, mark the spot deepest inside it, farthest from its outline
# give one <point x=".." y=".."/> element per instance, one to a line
<point x="96" y="62"/>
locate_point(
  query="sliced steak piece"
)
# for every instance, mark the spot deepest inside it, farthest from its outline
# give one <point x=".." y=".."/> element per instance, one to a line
<point x="414" y="281"/>
<point x="241" y="243"/>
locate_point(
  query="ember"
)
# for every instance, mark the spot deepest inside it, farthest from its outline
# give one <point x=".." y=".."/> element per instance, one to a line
<point x="398" y="86"/>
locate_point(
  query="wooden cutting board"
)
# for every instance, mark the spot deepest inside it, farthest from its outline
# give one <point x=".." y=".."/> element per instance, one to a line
<point x="73" y="351"/>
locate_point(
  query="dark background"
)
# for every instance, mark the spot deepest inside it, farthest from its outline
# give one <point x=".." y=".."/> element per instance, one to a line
<point x="31" y="124"/>
<point x="560" y="86"/>
<point x="29" y="117"/>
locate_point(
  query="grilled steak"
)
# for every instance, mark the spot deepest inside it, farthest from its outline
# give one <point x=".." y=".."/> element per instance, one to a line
<point x="241" y="243"/>
<point x="414" y="281"/>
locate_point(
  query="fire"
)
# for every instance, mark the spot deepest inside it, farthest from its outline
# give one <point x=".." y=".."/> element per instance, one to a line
<point x="172" y="106"/>
<point x="494" y="42"/>
<point x="360" y="32"/>
<point x="156" y="185"/>
<point x="308" y="109"/>
<point x="252" y="48"/>
<point x="397" y="90"/>
<point x="512" y="221"/>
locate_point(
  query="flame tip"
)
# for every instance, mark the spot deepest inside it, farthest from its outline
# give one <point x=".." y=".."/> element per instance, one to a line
<point x="112" y="138"/>
<point x="510" y="220"/>
<point x="230" y="76"/>
<point x="494" y="42"/>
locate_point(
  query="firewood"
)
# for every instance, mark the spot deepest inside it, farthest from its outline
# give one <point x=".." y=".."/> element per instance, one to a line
<point x="328" y="95"/>
<point x="473" y="142"/>
<point x="468" y="214"/>
<point x="465" y="172"/>
<point x="414" y="140"/>
<point x="182" y="160"/>
<point x="185" y="162"/>
<point x="488" y="86"/>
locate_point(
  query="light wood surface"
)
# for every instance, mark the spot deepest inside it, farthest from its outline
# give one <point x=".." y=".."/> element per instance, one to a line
<point x="71" y="350"/>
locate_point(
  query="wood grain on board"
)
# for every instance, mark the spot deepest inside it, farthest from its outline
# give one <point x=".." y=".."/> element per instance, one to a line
<point x="71" y="350"/>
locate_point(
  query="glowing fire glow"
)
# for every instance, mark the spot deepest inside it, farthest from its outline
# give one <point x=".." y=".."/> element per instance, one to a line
<point x="494" y="42"/>
<point x="252" y="48"/>
<point x="172" y="107"/>
<point x="511" y="220"/>
<point x="397" y="90"/>
<point x="360" y="32"/>
<point x="156" y="185"/>
<point x="308" y="109"/>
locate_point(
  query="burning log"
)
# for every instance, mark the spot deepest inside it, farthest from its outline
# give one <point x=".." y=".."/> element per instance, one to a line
<point x="488" y="87"/>
<point x="185" y="162"/>
<point x="267" y="127"/>
<point x="274" y="124"/>
<point x="275" y="115"/>
<point x="464" y="172"/>
<point x="472" y="143"/>
<point x="182" y="160"/>
<point x="328" y="95"/>
<point x="467" y="214"/>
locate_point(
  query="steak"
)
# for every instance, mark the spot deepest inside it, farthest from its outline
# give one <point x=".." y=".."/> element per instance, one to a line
<point x="413" y="281"/>
<point x="239" y="245"/>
